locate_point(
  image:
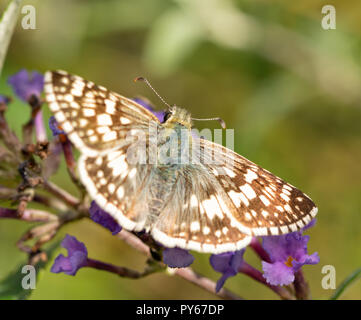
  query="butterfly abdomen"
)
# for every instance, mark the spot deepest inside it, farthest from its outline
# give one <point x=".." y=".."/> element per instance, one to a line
<point x="160" y="191"/>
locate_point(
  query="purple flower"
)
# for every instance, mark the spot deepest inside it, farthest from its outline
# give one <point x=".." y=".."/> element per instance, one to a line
<point x="4" y="99"/>
<point x="76" y="259"/>
<point x="103" y="218"/>
<point x="145" y="104"/>
<point x="228" y="264"/>
<point x="54" y="127"/>
<point x="288" y="253"/>
<point x="25" y="84"/>
<point x="57" y="131"/>
<point x="177" y="258"/>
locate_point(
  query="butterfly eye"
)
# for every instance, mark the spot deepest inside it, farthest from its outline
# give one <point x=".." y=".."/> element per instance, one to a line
<point x="167" y="115"/>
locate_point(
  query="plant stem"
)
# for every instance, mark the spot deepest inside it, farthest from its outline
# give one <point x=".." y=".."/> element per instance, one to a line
<point x="7" y="27"/>
<point x="120" y="271"/>
<point x="185" y="273"/>
<point x="301" y="286"/>
<point x="60" y="193"/>
<point x="257" y="247"/>
<point x="205" y="283"/>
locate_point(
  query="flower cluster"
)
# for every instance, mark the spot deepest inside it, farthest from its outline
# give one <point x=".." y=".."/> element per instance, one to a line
<point x="288" y="253"/>
<point x="28" y="87"/>
<point x="25" y="84"/>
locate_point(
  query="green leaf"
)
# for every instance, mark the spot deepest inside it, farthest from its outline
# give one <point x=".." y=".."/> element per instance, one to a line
<point x="10" y="286"/>
<point x="346" y="283"/>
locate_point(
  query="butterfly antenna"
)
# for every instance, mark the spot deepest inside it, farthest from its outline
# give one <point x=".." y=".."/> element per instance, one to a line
<point x="150" y="86"/>
<point x="220" y="120"/>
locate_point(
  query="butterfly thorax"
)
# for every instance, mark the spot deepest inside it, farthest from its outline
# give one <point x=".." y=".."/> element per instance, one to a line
<point x="177" y="116"/>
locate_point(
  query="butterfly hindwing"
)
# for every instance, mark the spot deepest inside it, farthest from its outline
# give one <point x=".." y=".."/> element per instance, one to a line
<point x="265" y="204"/>
<point x="194" y="217"/>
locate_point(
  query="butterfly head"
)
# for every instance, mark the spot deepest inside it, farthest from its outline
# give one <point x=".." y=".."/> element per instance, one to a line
<point x="176" y="115"/>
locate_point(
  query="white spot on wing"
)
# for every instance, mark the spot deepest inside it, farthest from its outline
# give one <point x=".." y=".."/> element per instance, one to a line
<point x="194" y="201"/>
<point x="248" y="191"/>
<point x="195" y="226"/>
<point x="104" y="120"/>
<point x="250" y="176"/>
<point x="109" y="136"/>
<point x="264" y="200"/>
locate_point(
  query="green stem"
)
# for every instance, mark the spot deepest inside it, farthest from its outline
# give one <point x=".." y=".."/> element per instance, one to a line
<point x="346" y="283"/>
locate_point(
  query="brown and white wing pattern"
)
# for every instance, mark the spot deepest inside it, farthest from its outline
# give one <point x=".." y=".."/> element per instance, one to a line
<point x="117" y="186"/>
<point x="214" y="205"/>
<point x="94" y="118"/>
<point x="197" y="215"/>
<point x="103" y="125"/>
<point x="263" y="204"/>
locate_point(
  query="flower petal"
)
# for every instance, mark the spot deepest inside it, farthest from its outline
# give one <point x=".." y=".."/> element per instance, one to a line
<point x="177" y="258"/>
<point x="77" y="257"/>
<point x="27" y="84"/>
<point x="147" y="105"/>
<point x="276" y="247"/>
<point x="221" y="262"/>
<point x="221" y="281"/>
<point x="297" y="245"/>
<point x="227" y="263"/>
<point x="306" y="259"/>
<point x="103" y="218"/>
<point x="61" y="264"/>
<point x="277" y="274"/>
<point x="310" y="225"/>
<point x="54" y="127"/>
<point x="72" y="245"/>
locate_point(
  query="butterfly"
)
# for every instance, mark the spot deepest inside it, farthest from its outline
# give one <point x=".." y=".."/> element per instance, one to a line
<point x="212" y="202"/>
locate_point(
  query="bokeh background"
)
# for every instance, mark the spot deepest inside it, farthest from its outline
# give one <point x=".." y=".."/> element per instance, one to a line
<point x="290" y="89"/>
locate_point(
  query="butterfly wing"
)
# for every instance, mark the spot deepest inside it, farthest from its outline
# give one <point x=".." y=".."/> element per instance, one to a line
<point x="214" y="205"/>
<point x="109" y="130"/>
<point x="195" y="216"/>
<point x="223" y="199"/>
<point x="94" y="118"/>
<point x="117" y="186"/>
<point x="263" y="204"/>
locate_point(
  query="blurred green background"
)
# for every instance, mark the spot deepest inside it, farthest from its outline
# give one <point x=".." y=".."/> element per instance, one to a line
<point x="290" y="89"/>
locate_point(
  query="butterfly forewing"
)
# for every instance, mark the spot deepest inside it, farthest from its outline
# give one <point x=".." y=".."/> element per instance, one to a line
<point x="117" y="186"/>
<point x="94" y="118"/>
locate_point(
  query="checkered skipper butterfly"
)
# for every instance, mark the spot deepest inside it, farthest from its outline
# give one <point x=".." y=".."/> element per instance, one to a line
<point x="202" y="205"/>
